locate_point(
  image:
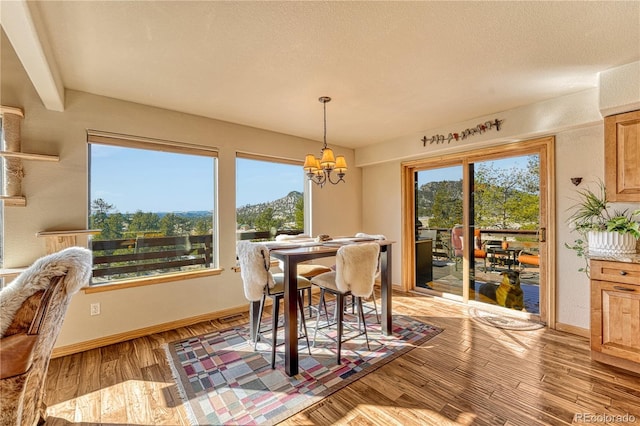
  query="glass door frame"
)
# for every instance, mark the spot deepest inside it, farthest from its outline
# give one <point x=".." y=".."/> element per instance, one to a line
<point x="544" y="147"/>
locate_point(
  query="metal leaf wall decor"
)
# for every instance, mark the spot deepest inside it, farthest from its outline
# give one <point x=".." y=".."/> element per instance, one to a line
<point x="479" y="129"/>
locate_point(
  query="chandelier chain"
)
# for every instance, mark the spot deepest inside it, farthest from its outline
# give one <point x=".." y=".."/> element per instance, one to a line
<point x="324" y="104"/>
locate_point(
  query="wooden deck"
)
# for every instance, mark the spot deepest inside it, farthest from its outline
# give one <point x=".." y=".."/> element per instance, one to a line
<point x="471" y="374"/>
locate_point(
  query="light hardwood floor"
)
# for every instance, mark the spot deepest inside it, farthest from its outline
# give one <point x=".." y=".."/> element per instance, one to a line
<point x="471" y="374"/>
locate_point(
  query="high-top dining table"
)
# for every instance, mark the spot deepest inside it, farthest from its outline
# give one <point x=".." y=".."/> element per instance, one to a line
<point x="290" y="258"/>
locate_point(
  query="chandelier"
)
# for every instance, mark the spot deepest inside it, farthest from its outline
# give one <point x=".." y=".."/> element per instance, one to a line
<point x="319" y="170"/>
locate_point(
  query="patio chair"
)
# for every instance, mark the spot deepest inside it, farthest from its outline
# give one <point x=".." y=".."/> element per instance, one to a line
<point x="32" y="310"/>
<point x="355" y="274"/>
<point x="259" y="282"/>
<point x="525" y="258"/>
<point x="457" y="242"/>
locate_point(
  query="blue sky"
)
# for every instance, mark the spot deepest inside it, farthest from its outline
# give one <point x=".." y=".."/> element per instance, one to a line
<point x="261" y="181"/>
<point x="152" y="181"/>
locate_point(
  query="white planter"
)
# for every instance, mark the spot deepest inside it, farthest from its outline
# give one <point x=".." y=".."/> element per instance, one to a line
<point x="602" y="242"/>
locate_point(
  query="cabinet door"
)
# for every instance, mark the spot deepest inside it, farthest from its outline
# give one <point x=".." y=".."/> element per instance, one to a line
<point x="615" y="328"/>
<point x="622" y="156"/>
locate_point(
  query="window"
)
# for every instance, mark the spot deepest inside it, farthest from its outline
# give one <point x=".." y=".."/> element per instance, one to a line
<point x="269" y="197"/>
<point x="154" y="202"/>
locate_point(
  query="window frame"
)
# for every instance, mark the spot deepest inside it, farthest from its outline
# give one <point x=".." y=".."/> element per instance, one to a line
<point x="95" y="137"/>
<point x="306" y="193"/>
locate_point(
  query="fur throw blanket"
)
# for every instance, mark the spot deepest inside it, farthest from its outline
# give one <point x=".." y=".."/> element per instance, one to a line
<point x="356" y="268"/>
<point x="285" y="237"/>
<point x="74" y="262"/>
<point x="254" y="263"/>
<point x="372" y="236"/>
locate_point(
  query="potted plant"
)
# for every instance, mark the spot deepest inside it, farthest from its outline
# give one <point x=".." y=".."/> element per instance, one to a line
<point x="602" y="230"/>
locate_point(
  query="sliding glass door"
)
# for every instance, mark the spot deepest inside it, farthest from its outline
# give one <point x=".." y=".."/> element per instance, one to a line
<point x="438" y="212"/>
<point x="480" y="227"/>
<point x="505" y="220"/>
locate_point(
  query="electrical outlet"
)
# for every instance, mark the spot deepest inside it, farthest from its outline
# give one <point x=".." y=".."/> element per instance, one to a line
<point x="95" y="309"/>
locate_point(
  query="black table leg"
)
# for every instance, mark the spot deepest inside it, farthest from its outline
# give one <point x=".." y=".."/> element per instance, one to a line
<point x="386" y="290"/>
<point x="290" y="317"/>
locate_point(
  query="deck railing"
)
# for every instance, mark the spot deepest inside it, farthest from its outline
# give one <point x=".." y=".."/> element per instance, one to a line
<point x="144" y="256"/>
<point x="517" y="238"/>
<point x="132" y="257"/>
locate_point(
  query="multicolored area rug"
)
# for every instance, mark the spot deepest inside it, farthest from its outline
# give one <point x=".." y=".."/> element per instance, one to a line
<point x="224" y="381"/>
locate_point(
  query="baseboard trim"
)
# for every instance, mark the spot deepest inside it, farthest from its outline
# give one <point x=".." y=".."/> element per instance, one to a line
<point x="134" y="334"/>
<point x="572" y="329"/>
<point x="146" y="331"/>
<point x="616" y="362"/>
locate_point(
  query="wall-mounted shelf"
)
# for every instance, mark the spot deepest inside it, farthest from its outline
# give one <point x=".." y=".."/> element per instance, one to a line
<point x="10" y="273"/>
<point x="16" y="201"/>
<point x="12" y="153"/>
<point x="11" y="110"/>
<point x="29" y="156"/>
<point x="58" y="240"/>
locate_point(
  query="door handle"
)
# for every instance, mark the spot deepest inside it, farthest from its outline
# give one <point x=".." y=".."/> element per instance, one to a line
<point x="542" y="235"/>
<point x="617" y="287"/>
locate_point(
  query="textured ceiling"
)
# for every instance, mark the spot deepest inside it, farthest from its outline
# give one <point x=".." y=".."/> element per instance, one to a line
<point x="392" y="68"/>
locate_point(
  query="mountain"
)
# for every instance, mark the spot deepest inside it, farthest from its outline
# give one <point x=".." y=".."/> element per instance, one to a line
<point x="427" y="193"/>
<point x="284" y="210"/>
<point x="188" y="214"/>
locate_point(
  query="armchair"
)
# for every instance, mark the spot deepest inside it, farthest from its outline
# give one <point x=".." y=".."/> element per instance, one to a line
<point x="32" y="310"/>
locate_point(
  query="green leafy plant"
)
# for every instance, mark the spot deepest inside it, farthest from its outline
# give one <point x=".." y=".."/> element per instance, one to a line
<point x="580" y="247"/>
<point x="623" y="225"/>
<point x="592" y="212"/>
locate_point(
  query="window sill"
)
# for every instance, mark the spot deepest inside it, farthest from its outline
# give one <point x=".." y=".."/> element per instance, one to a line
<point x="140" y="282"/>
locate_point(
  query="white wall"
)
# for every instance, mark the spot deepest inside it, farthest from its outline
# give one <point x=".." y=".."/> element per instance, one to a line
<point x="57" y="198"/>
<point x="574" y="120"/>
<point x="579" y="153"/>
<point x="382" y="212"/>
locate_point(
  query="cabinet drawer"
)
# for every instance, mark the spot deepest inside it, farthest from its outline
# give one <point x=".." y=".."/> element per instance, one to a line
<point x="620" y="272"/>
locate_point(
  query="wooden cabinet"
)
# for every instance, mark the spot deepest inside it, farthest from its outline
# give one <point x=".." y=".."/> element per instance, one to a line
<point x="615" y="313"/>
<point x="622" y="156"/>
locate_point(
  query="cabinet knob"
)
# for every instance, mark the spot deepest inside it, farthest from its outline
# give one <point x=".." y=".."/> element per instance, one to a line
<point x="623" y="273"/>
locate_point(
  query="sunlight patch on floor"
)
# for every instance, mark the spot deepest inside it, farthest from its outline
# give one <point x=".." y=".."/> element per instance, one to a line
<point x="121" y="403"/>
